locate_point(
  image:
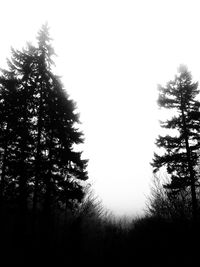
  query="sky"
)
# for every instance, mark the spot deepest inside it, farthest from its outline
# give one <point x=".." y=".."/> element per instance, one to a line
<point x="111" y="55"/>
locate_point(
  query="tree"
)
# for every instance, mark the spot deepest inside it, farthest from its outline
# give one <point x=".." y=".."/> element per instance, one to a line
<point x="182" y="145"/>
<point x="46" y="170"/>
<point x="8" y="125"/>
<point x="162" y="204"/>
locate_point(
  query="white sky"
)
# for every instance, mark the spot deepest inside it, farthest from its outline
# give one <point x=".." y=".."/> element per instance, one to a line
<point x="112" y="55"/>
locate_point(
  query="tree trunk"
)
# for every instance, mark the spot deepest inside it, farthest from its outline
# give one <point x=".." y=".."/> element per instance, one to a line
<point x="23" y="146"/>
<point x="47" y="205"/>
<point x="3" y="173"/>
<point x="38" y="154"/>
<point x="190" y="167"/>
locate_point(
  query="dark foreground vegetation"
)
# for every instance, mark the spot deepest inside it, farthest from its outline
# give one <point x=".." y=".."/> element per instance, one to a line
<point x="87" y="238"/>
<point x="47" y="215"/>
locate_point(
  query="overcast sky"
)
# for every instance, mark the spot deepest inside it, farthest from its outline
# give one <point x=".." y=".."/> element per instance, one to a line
<point x="111" y="56"/>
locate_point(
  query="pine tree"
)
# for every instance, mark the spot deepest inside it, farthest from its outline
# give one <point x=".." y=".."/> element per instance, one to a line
<point x="182" y="147"/>
<point x="8" y="104"/>
<point x="38" y="156"/>
<point x="17" y="86"/>
<point x="59" y="169"/>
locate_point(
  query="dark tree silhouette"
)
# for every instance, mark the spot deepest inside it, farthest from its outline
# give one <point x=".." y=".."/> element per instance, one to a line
<point x="39" y="164"/>
<point x="181" y="149"/>
<point x="8" y="126"/>
<point x="165" y="205"/>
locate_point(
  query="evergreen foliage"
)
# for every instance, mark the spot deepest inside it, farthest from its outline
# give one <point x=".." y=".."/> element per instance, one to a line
<point x="39" y="165"/>
<point x="182" y="149"/>
<point x="41" y="170"/>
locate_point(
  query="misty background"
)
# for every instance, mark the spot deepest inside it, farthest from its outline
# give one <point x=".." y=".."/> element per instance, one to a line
<point x="111" y="56"/>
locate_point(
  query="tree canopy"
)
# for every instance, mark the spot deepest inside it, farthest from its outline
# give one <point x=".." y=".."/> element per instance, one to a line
<point x="181" y="149"/>
<point x="39" y="164"/>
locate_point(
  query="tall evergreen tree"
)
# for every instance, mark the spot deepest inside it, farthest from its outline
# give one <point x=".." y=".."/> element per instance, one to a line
<point x="46" y="170"/>
<point x="17" y="83"/>
<point x="182" y="147"/>
<point x="8" y="125"/>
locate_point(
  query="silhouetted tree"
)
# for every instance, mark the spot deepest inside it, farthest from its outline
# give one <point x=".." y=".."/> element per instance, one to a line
<point x="38" y="132"/>
<point x="8" y="125"/>
<point x="162" y="204"/>
<point x="181" y="146"/>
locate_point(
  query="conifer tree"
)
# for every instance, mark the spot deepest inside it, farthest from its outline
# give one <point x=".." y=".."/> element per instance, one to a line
<point x="17" y="85"/>
<point x="181" y="146"/>
<point x="46" y="170"/>
<point x="8" y="124"/>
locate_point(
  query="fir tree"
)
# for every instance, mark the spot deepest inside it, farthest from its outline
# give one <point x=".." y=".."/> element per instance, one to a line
<point x="8" y="125"/>
<point x="38" y="158"/>
<point x="17" y="84"/>
<point x="181" y="149"/>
